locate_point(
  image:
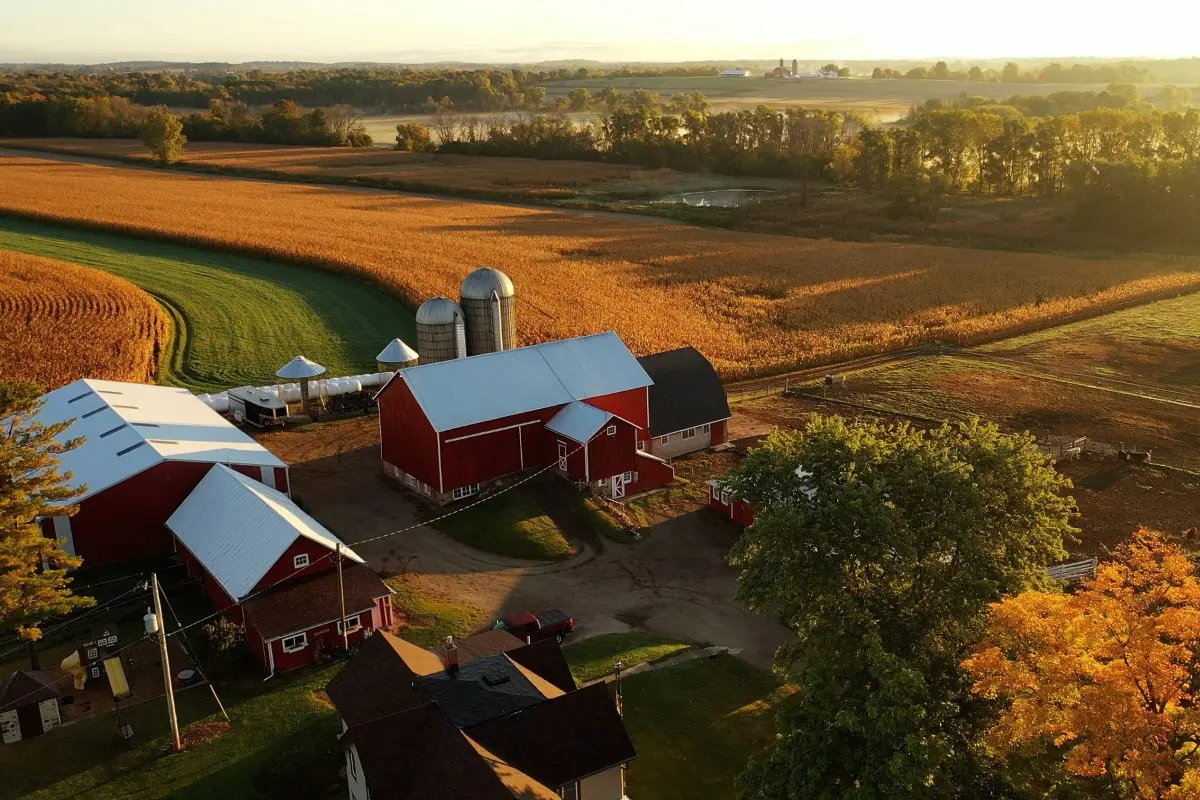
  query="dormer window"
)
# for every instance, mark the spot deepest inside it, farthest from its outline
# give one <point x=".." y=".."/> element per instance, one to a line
<point x="300" y="561"/>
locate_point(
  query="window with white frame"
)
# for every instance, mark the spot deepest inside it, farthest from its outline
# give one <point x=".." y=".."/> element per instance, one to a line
<point x="724" y="498"/>
<point x="466" y="491"/>
<point x="641" y="445"/>
<point x="300" y="561"/>
<point x="706" y="427"/>
<point x="665" y="440"/>
<point x="612" y="430"/>
<point x="716" y="492"/>
<point x="627" y="477"/>
<point x="690" y="433"/>
<point x="293" y="643"/>
<point x="352" y="624"/>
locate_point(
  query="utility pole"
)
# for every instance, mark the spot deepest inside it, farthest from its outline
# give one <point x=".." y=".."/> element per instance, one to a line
<point x="166" y="663"/>
<point x="342" y="601"/>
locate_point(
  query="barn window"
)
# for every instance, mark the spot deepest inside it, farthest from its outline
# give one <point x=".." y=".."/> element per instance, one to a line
<point x="95" y="672"/>
<point x="466" y="491"/>
<point x="724" y="498"/>
<point x="352" y="624"/>
<point x="612" y="430"/>
<point x="716" y="492"/>
<point x="641" y="445"/>
<point x="690" y="433"/>
<point x="93" y="654"/>
<point x="665" y="440"/>
<point x="707" y="428"/>
<point x="293" y="643"/>
<point x="300" y="561"/>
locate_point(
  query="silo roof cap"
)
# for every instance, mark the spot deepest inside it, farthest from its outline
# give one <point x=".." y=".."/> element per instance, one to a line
<point x="397" y="352"/>
<point x="438" y="311"/>
<point x="300" y="367"/>
<point x="480" y="284"/>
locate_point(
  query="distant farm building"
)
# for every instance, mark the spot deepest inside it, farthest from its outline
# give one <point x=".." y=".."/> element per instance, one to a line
<point x="264" y="562"/>
<point x="736" y="73"/>
<point x="145" y="449"/>
<point x="689" y="410"/>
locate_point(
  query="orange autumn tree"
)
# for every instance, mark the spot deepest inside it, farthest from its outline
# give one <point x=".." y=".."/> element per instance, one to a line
<point x="1103" y="682"/>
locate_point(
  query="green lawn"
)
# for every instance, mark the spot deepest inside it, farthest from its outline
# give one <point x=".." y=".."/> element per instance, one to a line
<point x="429" y="620"/>
<point x="511" y="524"/>
<point x="593" y="658"/>
<point x="238" y="319"/>
<point x="695" y="725"/>
<point x="281" y="744"/>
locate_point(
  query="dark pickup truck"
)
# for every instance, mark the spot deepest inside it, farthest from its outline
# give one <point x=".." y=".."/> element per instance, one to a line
<point x="535" y="627"/>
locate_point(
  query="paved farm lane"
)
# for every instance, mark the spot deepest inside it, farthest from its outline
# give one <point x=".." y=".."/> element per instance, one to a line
<point x="237" y="319"/>
<point x="675" y="583"/>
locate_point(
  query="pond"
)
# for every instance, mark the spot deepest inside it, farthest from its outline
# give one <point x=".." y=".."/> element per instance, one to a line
<point x="717" y="198"/>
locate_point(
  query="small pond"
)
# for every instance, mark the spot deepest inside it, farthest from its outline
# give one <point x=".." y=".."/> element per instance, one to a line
<point x="717" y="198"/>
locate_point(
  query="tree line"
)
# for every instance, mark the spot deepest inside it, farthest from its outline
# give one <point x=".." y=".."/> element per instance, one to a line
<point x="1012" y="73"/>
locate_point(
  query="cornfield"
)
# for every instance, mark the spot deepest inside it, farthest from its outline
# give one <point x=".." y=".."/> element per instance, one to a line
<point x="60" y="322"/>
<point x="753" y="303"/>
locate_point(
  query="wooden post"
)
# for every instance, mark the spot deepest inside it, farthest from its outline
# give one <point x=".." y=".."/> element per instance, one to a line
<point x="342" y="601"/>
<point x="166" y="664"/>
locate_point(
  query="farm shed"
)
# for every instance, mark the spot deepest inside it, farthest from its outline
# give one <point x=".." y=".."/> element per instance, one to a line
<point x="688" y="407"/>
<point x="448" y="429"/>
<point x="28" y="707"/>
<point x="264" y="562"/>
<point x="487" y="719"/>
<point x="145" y="449"/>
<point x="719" y="499"/>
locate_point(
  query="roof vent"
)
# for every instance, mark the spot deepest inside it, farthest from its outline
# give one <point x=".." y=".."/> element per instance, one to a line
<point x="130" y="448"/>
<point x="94" y="412"/>
<point x="80" y="396"/>
<point x="496" y="680"/>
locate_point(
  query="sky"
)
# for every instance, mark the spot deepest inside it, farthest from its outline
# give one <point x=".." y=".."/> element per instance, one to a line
<point x="86" y="31"/>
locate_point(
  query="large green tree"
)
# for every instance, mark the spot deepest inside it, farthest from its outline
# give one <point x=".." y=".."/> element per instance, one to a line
<point x="33" y="569"/>
<point x="880" y="546"/>
<point x="162" y="133"/>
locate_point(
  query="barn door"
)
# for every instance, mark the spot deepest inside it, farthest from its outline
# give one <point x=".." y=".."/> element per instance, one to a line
<point x="618" y="486"/>
<point x="562" y="456"/>
<point x="50" y="717"/>
<point x="10" y="727"/>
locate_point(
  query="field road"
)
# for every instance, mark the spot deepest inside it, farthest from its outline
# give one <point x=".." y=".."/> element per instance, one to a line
<point x="675" y="583"/>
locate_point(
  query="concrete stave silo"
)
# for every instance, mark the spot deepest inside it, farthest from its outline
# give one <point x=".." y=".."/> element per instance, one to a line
<point x="441" y="330"/>
<point x="489" y="304"/>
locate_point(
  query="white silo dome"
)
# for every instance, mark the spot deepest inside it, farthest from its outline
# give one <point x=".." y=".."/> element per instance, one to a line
<point x="438" y="311"/>
<point x="300" y="368"/>
<point x="397" y="352"/>
<point x="480" y="284"/>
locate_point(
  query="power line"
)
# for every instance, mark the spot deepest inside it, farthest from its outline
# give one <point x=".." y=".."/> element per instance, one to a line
<point x="73" y="620"/>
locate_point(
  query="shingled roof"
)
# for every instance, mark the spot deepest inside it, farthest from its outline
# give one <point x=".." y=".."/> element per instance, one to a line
<point x="21" y="689"/>
<point x="381" y="679"/>
<point x="300" y="604"/>
<point x="687" y="392"/>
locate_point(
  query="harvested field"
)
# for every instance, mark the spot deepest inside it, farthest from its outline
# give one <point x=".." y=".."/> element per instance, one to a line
<point x="60" y="322"/>
<point x="753" y="303"/>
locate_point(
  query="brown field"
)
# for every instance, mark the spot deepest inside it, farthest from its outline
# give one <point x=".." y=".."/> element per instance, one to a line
<point x="753" y="303"/>
<point x="60" y="322"/>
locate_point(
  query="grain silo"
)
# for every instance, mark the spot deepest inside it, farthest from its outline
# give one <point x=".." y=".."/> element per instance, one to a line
<point x="303" y="370"/>
<point x="490" y="304"/>
<point x="441" y="331"/>
<point x="396" y="356"/>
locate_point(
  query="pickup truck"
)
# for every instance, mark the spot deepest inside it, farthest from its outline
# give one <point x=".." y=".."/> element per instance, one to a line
<point x="535" y="627"/>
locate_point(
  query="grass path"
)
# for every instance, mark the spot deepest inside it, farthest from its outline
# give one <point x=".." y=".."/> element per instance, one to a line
<point x="237" y="319"/>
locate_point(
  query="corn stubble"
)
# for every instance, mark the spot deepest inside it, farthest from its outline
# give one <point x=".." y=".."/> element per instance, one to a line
<point x="60" y="322"/>
<point x="753" y="303"/>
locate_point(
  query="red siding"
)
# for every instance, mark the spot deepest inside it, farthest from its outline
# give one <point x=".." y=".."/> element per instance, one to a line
<point x="651" y="474"/>
<point x="407" y="439"/>
<point x="720" y="432"/>
<point x="325" y="633"/>
<point x="575" y="461"/>
<point x="285" y="567"/>
<point x="612" y="455"/>
<point x="281" y="480"/>
<point x="631" y="405"/>
<point x="493" y="448"/>
<point x="737" y="510"/>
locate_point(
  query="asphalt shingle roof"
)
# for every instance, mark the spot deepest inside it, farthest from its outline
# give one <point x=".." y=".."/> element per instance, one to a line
<point x="687" y="392"/>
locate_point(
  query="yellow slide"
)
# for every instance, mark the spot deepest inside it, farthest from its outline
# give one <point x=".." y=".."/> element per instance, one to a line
<point x="71" y="666"/>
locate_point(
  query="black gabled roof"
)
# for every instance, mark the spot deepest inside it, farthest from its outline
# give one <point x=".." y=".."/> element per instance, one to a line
<point x="546" y="660"/>
<point x="480" y="690"/>
<point x="687" y="391"/>
<point x="561" y="740"/>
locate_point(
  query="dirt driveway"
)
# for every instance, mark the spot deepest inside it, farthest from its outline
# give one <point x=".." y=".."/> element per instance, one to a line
<point x="675" y="582"/>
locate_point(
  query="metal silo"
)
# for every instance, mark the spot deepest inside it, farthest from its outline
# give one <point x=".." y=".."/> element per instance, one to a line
<point x="397" y="355"/>
<point x="490" y="305"/>
<point x="441" y="331"/>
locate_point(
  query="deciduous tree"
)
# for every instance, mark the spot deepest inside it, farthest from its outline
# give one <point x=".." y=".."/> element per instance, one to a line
<point x="1103" y="682"/>
<point x="33" y="569"/>
<point x="880" y="547"/>
<point x="162" y="133"/>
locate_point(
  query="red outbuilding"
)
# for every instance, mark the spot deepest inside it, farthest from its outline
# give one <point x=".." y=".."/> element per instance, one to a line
<point x="266" y="563"/>
<point x="581" y="405"/>
<point x="738" y="510"/>
<point x="145" y="448"/>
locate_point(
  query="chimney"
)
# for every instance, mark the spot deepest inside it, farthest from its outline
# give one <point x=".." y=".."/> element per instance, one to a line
<point x="450" y="657"/>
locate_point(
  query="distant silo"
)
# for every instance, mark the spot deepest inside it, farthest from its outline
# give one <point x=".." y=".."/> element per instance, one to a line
<point x="490" y="305"/>
<point x="441" y="331"/>
<point x="396" y="356"/>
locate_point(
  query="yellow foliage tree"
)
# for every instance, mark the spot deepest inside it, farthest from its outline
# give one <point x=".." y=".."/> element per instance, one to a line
<point x="1104" y="678"/>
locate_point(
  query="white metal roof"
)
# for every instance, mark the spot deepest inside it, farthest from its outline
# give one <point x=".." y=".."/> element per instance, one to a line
<point x="397" y="352"/>
<point x="300" y="367"/>
<point x="130" y="427"/>
<point x="466" y="391"/>
<point x="579" y="421"/>
<point x="238" y="528"/>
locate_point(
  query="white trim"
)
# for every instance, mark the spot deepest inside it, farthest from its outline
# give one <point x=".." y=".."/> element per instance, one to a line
<point x="298" y="647"/>
<point x="301" y="561"/>
<point x="687" y="433"/>
<point x="521" y="446"/>
<point x="270" y="655"/>
<point x="611" y="430"/>
<point x="664" y="440"/>
<point x="268" y="476"/>
<point x="681" y="430"/>
<point x="463" y="492"/>
<point x="587" y="467"/>
<point x="438" y="435"/>
<point x="561" y="461"/>
<point x="320" y="624"/>
<point x="494" y="430"/>
<point x="353" y="624"/>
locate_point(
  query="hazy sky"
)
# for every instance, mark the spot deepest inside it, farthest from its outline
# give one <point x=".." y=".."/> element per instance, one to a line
<point x="530" y="30"/>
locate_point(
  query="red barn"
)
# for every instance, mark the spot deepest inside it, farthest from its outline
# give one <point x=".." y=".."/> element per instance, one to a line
<point x="266" y="563"/>
<point x="581" y="405"/>
<point x="735" y="508"/>
<point x="145" y="449"/>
